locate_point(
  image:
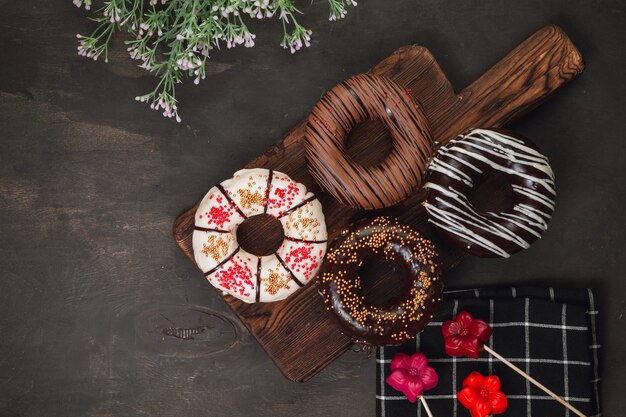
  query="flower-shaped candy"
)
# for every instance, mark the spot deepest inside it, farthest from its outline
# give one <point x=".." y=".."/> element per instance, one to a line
<point x="465" y="335"/>
<point x="482" y="396"/>
<point x="411" y="375"/>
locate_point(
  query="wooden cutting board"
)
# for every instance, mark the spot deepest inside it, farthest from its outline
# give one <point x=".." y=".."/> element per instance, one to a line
<point x="297" y="333"/>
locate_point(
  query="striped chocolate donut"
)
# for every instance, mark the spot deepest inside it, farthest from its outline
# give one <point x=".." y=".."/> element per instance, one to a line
<point x="453" y="172"/>
<point x="353" y="101"/>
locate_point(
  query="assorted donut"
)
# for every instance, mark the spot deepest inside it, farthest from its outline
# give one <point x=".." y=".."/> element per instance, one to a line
<point x="384" y="239"/>
<point x="476" y="153"/>
<point x="451" y="174"/>
<point x="246" y="276"/>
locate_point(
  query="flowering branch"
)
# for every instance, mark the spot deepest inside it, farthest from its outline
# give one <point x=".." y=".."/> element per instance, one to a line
<point x="173" y="38"/>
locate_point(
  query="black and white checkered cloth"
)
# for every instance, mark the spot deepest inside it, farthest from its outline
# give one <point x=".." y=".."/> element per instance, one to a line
<point x="549" y="333"/>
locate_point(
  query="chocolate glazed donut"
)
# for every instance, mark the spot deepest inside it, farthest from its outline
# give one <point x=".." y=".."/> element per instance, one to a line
<point x="353" y="101"/>
<point x="478" y="152"/>
<point x="401" y="319"/>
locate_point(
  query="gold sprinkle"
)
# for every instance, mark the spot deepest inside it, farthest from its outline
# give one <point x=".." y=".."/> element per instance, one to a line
<point x="247" y="199"/>
<point x="216" y="247"/>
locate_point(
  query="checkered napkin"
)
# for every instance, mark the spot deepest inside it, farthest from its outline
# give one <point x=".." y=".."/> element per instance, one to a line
<point x="549" y="333"/>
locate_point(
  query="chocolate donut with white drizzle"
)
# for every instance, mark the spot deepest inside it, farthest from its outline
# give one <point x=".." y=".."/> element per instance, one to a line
<point x="452" y="174"/>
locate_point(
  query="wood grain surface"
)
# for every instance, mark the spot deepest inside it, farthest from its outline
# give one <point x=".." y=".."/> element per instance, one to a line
<point x="297" y="333"/>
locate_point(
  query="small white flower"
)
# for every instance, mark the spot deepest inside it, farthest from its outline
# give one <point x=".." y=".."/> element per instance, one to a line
<point x="150" y="30"/>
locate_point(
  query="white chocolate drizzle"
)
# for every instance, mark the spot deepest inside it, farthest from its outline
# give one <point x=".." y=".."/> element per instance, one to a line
<point x="504" y="233"/>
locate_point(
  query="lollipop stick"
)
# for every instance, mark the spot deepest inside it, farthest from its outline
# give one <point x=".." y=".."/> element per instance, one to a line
<point x="534" y="381"/>
<point x="425" y="404"/>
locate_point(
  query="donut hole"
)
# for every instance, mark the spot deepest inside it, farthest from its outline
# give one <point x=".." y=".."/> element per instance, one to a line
<point x="382" y="281"/>
<point x="373" y="151"/>
<point x="500" y="196"/>
<point x="260" y="235"/>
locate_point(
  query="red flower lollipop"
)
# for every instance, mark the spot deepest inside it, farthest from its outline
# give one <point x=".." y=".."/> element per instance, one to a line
<point x="465" y="335"/>
<point x="482" y="396"/>
<point x="411" y="375"/>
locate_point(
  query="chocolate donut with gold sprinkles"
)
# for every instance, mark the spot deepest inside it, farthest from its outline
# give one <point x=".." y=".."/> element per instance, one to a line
<point x="385" y="239"/>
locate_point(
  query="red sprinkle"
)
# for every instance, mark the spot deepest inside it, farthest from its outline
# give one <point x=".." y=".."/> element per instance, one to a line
<point x="219" y="215"/>
<point x="236" y="277"/>
<point x="300" y="260"/>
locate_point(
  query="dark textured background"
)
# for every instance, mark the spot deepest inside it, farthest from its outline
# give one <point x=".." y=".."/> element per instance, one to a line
<point x="91" y="181"/>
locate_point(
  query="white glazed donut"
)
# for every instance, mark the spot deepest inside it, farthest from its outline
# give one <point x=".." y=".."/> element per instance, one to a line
<point x="243" y="275"/>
